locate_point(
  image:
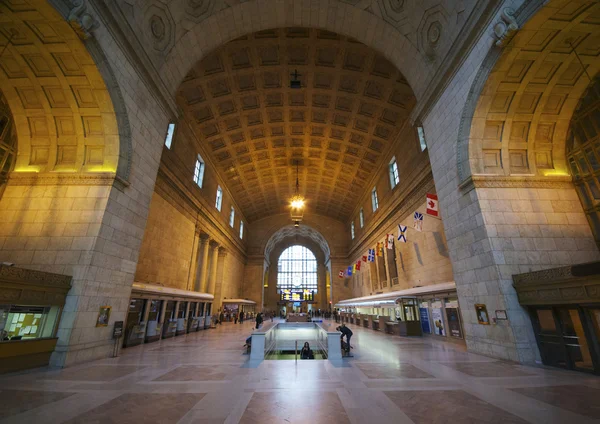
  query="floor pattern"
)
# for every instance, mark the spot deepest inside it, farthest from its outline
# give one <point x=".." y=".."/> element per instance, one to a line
<point x="206" y="378"/>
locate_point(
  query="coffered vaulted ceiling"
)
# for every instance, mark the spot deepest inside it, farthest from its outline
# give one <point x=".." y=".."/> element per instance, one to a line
<point x="351" y="107"/>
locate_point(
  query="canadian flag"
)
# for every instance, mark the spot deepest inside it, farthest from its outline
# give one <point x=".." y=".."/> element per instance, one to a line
<point x="341" y="274"/>
<point x="432" y="205"/>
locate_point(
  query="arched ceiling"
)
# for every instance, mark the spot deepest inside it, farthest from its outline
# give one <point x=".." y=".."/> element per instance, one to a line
<point x="303" y="231"/>
<point x="350" y="108"/>
<point x="62" y="109"/>
<point x="521" y="121"/>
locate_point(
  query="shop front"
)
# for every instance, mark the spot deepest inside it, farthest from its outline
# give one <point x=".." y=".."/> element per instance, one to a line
<point x="31" y="304"/>
<point x="231" y="307"/>
<point x="564" y="306"/>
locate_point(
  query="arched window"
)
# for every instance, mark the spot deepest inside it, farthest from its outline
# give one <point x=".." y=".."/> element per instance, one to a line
<point x="297" y="269"/>
<point x="583" y="154"/>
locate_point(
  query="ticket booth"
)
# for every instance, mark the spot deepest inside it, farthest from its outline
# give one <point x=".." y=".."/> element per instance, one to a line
<point x="135" y="330"/>
<point x="182" y="318"/>
<point x="30" y="314"/>
<point x="154" y="325"/>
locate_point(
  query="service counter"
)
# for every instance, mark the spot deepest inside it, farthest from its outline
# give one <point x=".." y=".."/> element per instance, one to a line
<point x="28" y="324"/>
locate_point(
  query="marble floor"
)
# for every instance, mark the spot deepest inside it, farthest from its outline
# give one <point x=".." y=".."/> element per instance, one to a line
<point x="206" y="378"/>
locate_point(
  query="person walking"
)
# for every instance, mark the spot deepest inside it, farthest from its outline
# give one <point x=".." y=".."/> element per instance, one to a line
<point x="235" y="317"/>
<point x="241" y="317"/>
<point x="221" y="317"/>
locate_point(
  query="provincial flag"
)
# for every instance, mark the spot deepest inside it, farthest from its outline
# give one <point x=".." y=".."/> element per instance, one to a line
<point x="402" y="233"/>
<point x="357" y="265"/>
<point x="390" y="241"/>
<point x="371" y="255"/>
<point x="432" y="205"/>
<point x="341" y="273"/>
<point x="349" y="271"/>
<point x="353" y="268"/>
<point x="379" y="251"/>
<point x="418" y="221"/>
<point x="364" y="259"/>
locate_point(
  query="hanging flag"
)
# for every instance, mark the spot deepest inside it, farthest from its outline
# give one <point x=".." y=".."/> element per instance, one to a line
<point x="364" y="259"/>
<point x="418" y="221"/>
<point x="353" y="268"/>
<point x="341" y="273"/>
<point x="432" y="205"/>
<point x="380" y="248"/>
<point x="402" y="233"/>
<point x="390" y="241"/>
<point x="349" y="271"/>
<point x="358" y="265"/>
<point x="371" y="255"/>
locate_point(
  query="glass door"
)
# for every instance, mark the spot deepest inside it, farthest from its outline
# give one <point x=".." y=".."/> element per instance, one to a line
<point x="575" y="340"/>
<point x="549" y="339"/>
<point x="562" y="337"/>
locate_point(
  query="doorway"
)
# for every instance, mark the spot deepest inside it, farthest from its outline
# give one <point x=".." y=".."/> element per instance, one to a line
<point x="568" y="336"/>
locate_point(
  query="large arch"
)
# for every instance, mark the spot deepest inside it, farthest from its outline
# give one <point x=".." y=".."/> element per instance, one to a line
<point x="64" y="115"/>
<point x="517" y="116"/>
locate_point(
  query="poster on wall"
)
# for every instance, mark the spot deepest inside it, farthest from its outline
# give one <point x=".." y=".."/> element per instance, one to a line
<point x="482" y="314"/>
<point x="425" y="320"/>
<point x="438" y="322"/>
<point x="453" y="322"/>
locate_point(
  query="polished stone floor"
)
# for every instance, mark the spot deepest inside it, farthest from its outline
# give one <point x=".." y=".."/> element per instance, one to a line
<point x="206" y="378"/>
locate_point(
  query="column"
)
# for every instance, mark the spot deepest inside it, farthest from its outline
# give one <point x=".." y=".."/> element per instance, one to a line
<point x="220" y="274"/>
<point x="212" y="267"/>
<point x="387" y="264"/>
<point x="202" y="264"/>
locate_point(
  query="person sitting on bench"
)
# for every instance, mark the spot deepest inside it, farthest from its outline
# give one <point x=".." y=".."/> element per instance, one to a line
<point x="307" y="352"/>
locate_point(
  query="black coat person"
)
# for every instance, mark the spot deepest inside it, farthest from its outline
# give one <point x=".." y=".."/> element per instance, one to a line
<point x="259" y="320"/>
<point x="345" y="332"/>
<point x="306" y="352"/>
<point x="241" y="317"/>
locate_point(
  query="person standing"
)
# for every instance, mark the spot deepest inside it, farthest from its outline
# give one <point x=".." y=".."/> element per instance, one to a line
<point x="259" y="320"/>
<point x="241" y="317"/>
<point x="235" y="317"/>
<point x="221" y="317"/>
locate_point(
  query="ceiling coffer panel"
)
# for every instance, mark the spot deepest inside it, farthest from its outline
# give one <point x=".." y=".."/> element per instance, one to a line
<point x="350" y="108"/>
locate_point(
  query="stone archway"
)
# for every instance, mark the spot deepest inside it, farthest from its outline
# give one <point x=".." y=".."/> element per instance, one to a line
<point x="517" y="116"/>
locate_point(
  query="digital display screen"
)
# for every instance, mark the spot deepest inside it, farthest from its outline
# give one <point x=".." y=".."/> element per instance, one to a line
<point x="297" y="295"/>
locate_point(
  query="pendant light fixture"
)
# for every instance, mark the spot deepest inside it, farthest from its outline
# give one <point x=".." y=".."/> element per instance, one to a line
<point x="297" y="203"/>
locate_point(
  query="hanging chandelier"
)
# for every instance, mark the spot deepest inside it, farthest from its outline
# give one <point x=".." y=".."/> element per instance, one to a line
<point x="297" y="203"/>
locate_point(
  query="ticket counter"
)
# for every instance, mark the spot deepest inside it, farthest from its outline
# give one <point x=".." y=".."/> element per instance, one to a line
<point x="31" y="303"/>
<point x="158" y="312"/>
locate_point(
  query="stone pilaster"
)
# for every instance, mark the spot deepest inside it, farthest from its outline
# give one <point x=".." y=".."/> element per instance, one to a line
<point x="202" y="264"/>
<point x="212" y="268"/>
<point x="222" y="255"/>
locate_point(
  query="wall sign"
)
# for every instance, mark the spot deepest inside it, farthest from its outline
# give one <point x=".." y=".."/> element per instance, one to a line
<point x="118" y="329"/>
<point x="438" y="322"/>
<point x="501" y="314"/>
<point x="424" y="312"/>
<point x="482" y="314"/>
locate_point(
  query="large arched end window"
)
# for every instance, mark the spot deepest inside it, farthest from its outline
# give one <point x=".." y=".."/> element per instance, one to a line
<point x="583" y="154"/>
<point x="297" y="269"/>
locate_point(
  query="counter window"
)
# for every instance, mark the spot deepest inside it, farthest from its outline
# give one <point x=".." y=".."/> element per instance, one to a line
<point x="182" y="309"/>
<point x="28" y="322"/>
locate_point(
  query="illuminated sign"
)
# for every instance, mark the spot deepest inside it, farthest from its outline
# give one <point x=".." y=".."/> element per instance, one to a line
<point x="297" y="295"/>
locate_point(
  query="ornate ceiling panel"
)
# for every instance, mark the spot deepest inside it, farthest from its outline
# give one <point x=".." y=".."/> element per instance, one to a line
<point x="350" y="108"/>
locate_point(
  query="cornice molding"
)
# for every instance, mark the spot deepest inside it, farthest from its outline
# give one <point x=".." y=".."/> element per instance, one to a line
<point x="63" y="179"/>
<point x="460" y="50"/>
<point x="500" y="181"/>
<point x="563" y="285"/>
